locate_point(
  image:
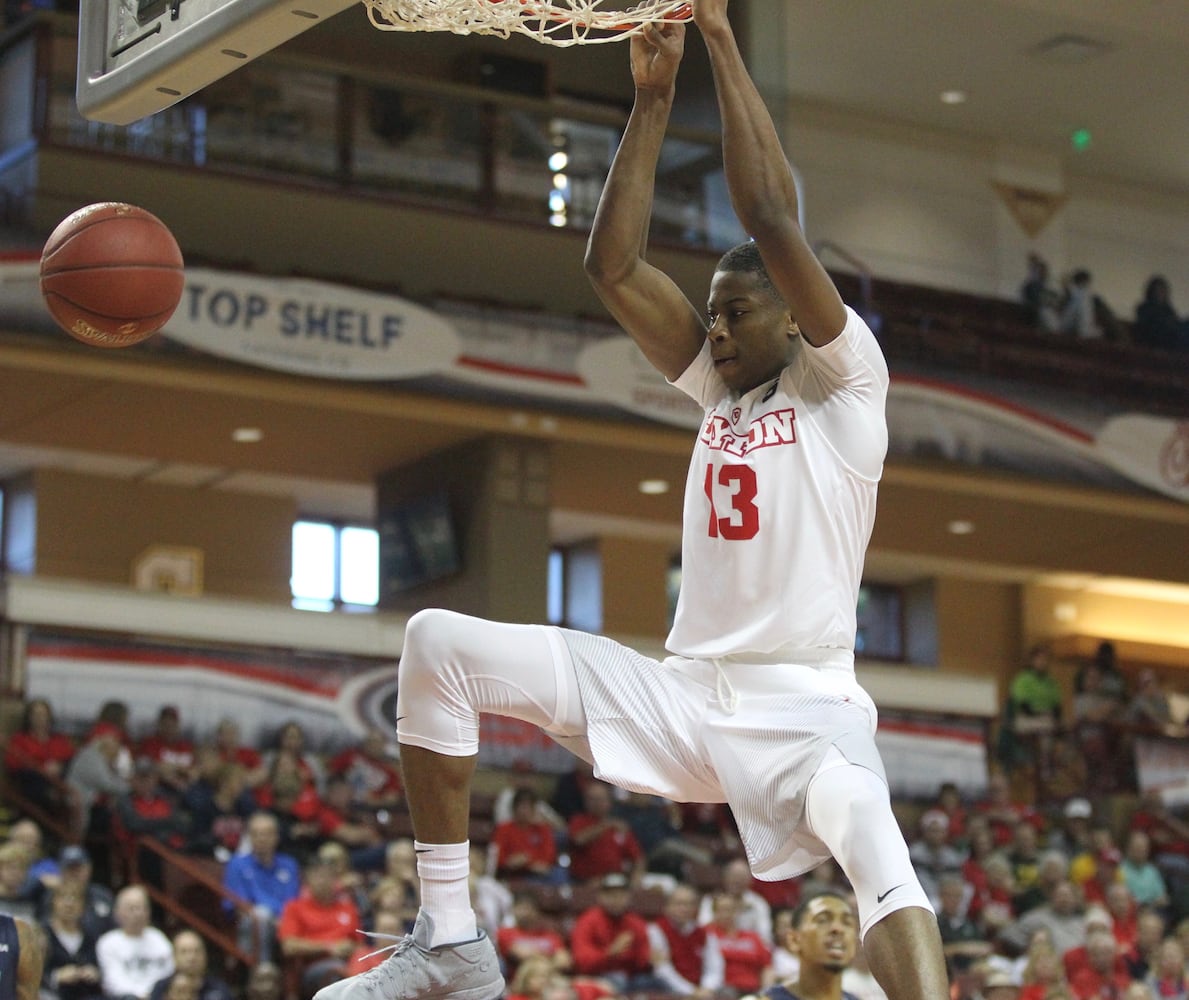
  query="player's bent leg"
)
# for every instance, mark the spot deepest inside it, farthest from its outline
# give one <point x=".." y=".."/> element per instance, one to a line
<point x="453" y="669"/>
<point x="850" y="812"/>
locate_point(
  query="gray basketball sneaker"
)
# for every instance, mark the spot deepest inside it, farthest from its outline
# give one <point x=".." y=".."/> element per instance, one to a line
<point x="414" y="971"/>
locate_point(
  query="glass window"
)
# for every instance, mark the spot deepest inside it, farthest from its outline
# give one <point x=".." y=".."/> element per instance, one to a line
<point x="880" y="614"/>
<point x="334" y="565"/>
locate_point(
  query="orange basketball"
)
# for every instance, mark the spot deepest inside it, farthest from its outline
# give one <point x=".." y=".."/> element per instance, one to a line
<point x="111" y="274"/>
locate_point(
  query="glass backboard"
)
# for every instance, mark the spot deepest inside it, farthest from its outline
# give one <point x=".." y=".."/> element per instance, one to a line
<point x="137" y="57"/>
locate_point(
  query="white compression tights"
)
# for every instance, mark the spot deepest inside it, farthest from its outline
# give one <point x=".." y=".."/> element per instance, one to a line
<point x="455" y="667"/>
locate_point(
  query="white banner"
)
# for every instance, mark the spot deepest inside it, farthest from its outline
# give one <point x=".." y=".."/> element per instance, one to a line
<point x="311" y="327"/>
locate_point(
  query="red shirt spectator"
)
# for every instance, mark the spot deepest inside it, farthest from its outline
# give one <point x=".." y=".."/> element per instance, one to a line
<point x="319" y="920"/>
<point x="735" y="958"/>
<point x="374" y="779"/>
<point x="1002" y="813"/>
<point x="600" y="844"/>
<point x="1100" y="978"/>
<point x="607" y="940"/>
<point x="36" y="747"/>
<point x="531" y="936"/>
<point x="1168" y="834"/>
<point x="679" y="941"/>
<point x="524" y="846"/>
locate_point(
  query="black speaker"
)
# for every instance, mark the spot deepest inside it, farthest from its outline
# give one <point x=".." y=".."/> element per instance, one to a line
<point x="509" y="74"/>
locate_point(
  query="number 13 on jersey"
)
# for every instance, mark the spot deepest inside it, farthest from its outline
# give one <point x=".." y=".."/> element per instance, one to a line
<point x="731" y="490"/>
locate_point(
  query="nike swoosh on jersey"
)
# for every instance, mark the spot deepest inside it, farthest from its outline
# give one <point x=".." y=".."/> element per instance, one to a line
<point x="881" y="898"/>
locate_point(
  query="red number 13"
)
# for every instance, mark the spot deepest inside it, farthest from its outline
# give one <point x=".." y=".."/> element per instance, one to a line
<point x="742" y="521"/>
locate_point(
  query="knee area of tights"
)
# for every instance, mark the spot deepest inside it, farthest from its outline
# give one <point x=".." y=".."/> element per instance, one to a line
<point x="427" y="636"/>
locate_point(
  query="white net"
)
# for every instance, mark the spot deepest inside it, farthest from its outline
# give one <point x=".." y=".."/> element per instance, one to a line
<point x="553" y="22"/>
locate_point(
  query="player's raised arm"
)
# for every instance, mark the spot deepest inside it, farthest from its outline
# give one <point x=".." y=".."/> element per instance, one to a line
<point x="760" y="180"/>
<point x="645" y="301"/>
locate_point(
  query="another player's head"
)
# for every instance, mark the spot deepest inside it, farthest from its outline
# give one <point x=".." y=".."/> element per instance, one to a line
<point x="824" y="932"/>
<point x="751" y="330"/>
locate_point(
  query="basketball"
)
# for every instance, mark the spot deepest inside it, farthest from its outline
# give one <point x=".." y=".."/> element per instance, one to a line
<point x="111" y="274"/>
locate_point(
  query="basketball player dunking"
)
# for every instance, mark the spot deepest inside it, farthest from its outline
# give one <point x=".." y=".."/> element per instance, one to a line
<point x="758" y="706"/>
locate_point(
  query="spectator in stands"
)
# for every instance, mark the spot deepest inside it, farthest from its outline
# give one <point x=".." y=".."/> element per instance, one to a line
<point x="1061" y="916"/>
<point x="610" y="941"/>
<point x="264" y="982"/>
<point x="931" y="853"/>
<point x="1025" y="855"/>
<point x="318" y="928"/>
<point x="711" y="825"/>
<point x="1169" y="979"/>
<point x="785" y="963"/>
<point x="490" y="898"/>
<point x="1077" y="307"/>
<point x="1096" y="920"/>
<point x="1157" y="324"/>
<point x="1112" y="682"/>
<point x="266" y="880"/>
<point x="532" y="980"/>
<point x="1044" y="974"/>
<point x="995" y="905"/>
<point x="373" y="777"/>
<point x="1124" y="914"/>
<point x="169" y="750"/>
<point x="754" y="912"/>
<point x="134" y="954"/>
<point x="824" y="932"/>
<point x="569" y="791"/>
<point x="1039" y="296"/>
<point x="75" y="872"/>
<point x="338" y="821"/>
<point x="294" y="800"/>
<point x="230" y="748"/>
<point x="399" y="889"/>
<point x="1149" y="933"/>
<point x="347" y="881"/>
<point x="1084" y="864"/>
<point x="146" y="811"/>
<point x="1141" y="876"/>
<point x="291" y="740"/>
<point x="1072" y="837"/>
<point x="1003" y="812"/>
<point x="71" y="965"/>
<point x="1149" y="713"/>
<point x="1033" y="712"/>
<point x="114" y="714"/>
<point x="36" y="756"/>
<point x="1168" y="833"/>
<point x="1106" y="874"/>
<point x="949" y="801"/>
<point x="524" y="847"/>
<point x="679" y="943"/>
<point x="367" y="955"/>
<point x="219" y="804"/>
<point x="1101" y="976"/>
<point x="1097" y="713"/>
<point x="190" y="959"/>
<point x="960" y="936"/>
<point x="16" y="895"/>
<point x="531" y="934"/>
<point x="1051" y="871"/>
<point x="735" y="958"/>
<point x="42" y="870"/>
<point x="656" y="824"/>
<point x="600" y="843"/>
<point x="93" y="775"/>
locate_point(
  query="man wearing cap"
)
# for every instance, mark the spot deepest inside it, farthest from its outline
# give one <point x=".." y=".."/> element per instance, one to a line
<point x="1073" y="836"/>
<point x="74" y="872"/>
<point x="609" y="941"/>
<point x="932" y="855"/>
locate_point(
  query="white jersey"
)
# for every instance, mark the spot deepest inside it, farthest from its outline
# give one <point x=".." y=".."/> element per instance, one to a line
<point x="780" y="503"/>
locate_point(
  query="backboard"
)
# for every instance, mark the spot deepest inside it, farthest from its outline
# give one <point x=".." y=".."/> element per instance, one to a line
<point x="137" y="57"/>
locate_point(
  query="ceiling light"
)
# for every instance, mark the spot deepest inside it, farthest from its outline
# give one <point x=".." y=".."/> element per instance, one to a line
<point x="953" y="97"/>
<point x="247" y="435"/>
<point x="1071" y="48"/>
<point x="654" y="487"/>
<point x="960" y="527"/>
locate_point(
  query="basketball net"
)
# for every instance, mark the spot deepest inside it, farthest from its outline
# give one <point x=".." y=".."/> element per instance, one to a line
<point x="552" y="22"/>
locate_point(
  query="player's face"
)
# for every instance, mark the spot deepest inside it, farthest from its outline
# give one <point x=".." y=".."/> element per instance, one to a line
<point x="751" y="331"/>
<point x="827" y="935"/>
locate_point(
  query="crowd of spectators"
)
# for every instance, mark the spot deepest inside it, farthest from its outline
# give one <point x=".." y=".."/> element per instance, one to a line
<point x="587" y="891"/>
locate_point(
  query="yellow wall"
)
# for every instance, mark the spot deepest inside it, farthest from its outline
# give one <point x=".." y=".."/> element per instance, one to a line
<point x="634" y="599"/>
<point x="92" y="528"/>
<point x="978" y="627"/>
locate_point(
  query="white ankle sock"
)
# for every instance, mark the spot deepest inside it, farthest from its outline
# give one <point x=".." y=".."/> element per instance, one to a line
<point x="444" y="870"/>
